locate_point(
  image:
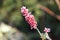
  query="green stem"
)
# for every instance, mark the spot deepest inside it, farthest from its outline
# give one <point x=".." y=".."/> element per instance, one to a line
<point x="38" y="31"/>
<point x="40" y="34"/>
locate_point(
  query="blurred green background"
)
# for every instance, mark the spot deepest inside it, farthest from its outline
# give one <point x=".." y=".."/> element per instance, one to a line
<point x="10" y="14"/>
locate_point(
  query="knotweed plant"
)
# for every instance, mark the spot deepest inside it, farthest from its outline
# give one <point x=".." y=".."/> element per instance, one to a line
<point x="33" y="24"/>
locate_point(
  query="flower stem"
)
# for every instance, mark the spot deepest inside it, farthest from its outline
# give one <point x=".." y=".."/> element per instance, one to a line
<point x="40" y="34"/>
<point x="38" y="31"/>
<point x="42" y="37"/>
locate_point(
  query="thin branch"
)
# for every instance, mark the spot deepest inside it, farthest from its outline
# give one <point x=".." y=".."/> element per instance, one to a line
<point x="44" y="8"/>
<point x="58" y="3"/>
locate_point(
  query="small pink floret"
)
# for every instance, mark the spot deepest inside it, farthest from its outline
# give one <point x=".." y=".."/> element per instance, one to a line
<point x="47" y="29"/>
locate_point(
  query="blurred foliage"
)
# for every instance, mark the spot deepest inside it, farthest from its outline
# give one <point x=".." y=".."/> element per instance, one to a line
<point x="10" y="14"/>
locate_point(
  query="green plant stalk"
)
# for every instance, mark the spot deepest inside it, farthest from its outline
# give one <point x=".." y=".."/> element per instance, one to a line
<point x="40" y="34"/>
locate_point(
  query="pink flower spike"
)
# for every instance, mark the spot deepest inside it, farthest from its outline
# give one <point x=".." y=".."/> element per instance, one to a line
<point x="29" y="17"/>
<point x="47" y="30"/>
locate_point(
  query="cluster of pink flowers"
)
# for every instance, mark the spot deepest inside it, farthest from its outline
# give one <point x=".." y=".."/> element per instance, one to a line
<point x="47" y="30"/>
<point x="29" y="17"/>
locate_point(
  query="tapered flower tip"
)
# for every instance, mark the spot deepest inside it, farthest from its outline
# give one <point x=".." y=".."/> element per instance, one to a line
<point x="47" y="29"/>
<point x="24" y="11"/>
<point x="23" y="7"/>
